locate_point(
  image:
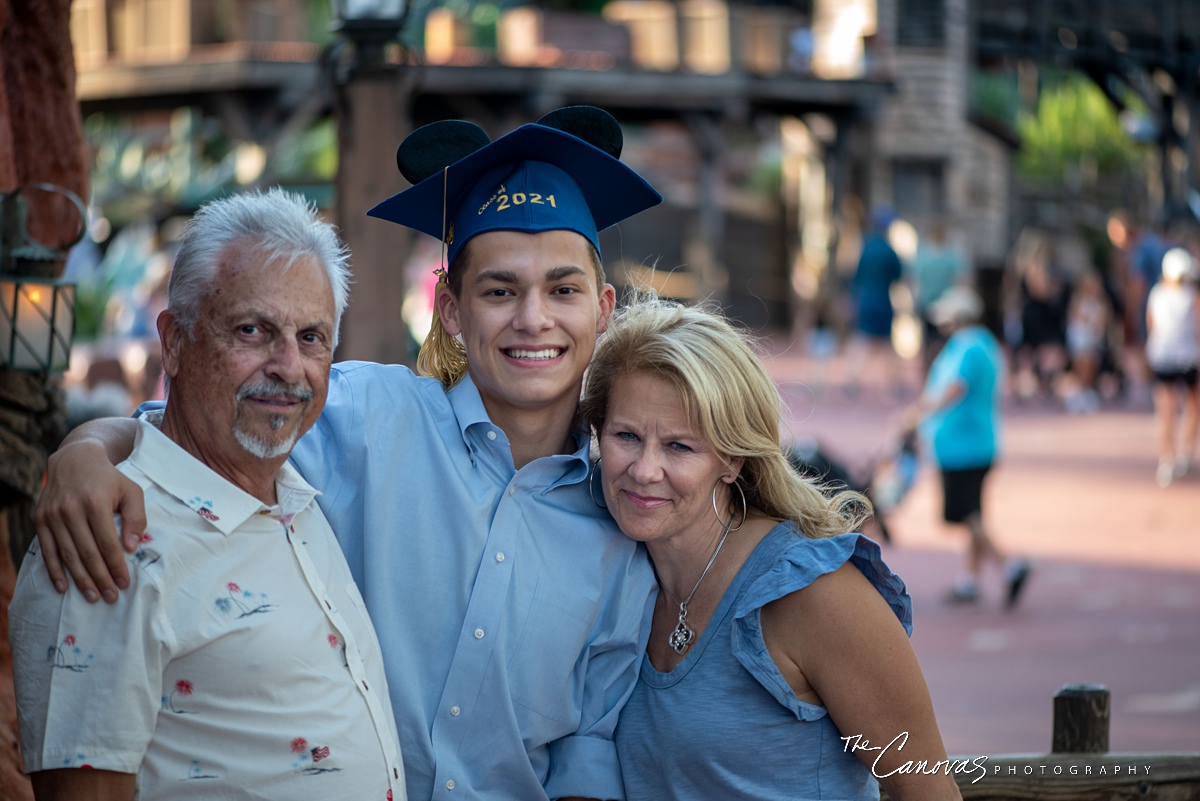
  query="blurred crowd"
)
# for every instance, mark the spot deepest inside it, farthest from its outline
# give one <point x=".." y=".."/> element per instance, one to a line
<point x="1086" y="324"/>
<point x="1077" y="328"/>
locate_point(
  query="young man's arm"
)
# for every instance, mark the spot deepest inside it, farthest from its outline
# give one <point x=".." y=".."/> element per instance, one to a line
<point x="74" y="516"/>
<point x="70" y="784"/>
<point x="586" y="762"/>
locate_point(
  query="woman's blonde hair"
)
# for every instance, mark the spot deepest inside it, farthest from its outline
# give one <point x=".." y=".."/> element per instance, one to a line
<point x="729" y="399"/>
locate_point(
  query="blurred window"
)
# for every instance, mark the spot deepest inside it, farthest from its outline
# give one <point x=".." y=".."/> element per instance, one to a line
<point x="920" y="23"/>
<point x="918" y="187"/>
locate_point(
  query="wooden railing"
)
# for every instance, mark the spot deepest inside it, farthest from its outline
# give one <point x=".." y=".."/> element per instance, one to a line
<point x="1079" y="767"/>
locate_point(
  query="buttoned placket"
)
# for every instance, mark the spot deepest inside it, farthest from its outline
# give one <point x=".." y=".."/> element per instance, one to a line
<point x="353" y="659"/>
<point x="478" y="639"/>
<point x="489" y="450"/>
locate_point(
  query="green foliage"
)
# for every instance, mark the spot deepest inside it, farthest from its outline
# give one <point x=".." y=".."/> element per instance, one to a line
<point x="318" y="17"/>
<point x="91" y="306"/>
<point x="995" y="95"/>
<point x="1076" y="130"/>
<point x="308" y="155"/>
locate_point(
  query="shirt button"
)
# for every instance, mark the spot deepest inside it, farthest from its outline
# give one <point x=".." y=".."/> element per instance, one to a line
<point x="491" y="435"/>
<point x="512" y="491"/>
<point x="479" y="634"/>
<point x="500" y="556"/>
<point x="455" y="711"/>
<point x="449" y="784"/>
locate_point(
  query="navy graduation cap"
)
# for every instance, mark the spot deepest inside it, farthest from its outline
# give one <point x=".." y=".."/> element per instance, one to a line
<point x="561" y="173"/>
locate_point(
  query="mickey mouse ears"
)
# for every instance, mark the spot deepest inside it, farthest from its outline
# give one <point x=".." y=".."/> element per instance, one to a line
<point x="431" y="148"/>
<point x="453" y="160"/>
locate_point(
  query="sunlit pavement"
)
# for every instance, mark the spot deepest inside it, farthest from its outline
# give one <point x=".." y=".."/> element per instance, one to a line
<point x="1114" y="597"/>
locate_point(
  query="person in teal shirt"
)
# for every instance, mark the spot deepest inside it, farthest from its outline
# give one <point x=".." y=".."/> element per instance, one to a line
<point x="961" y="429"/>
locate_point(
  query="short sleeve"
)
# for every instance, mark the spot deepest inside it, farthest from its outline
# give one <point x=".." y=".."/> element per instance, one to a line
<point x="975" y="365"/>
<point x="88" y="677"/>
<point x="801" y="563"/>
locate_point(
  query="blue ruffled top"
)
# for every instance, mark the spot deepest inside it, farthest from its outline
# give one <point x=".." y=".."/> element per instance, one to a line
<point x="725" y="723"/>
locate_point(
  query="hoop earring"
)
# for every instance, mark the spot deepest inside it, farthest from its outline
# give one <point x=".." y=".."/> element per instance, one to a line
<point x="745" y="506"/>
<point x="591" y="484"/>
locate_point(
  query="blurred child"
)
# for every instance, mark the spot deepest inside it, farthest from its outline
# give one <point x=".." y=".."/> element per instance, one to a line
<point x="1088" y="315"/>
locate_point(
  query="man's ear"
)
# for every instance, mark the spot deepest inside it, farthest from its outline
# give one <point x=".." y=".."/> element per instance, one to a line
<point x="447" y="308"/>
<point x="171" y="334"/>
<point x="608" y="302"/>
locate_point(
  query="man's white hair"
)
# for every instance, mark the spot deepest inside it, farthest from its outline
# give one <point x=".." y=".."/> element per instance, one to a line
<point x="277" y="224"/>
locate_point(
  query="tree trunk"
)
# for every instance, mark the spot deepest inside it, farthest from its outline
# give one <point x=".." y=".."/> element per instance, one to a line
<point x="41" y="140"/>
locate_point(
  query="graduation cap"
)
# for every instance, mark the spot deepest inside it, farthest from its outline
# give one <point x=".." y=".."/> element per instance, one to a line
<point x="561" y="173"/>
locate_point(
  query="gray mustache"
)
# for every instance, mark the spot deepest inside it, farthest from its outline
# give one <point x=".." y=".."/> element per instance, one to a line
<point x="275" y="390"/>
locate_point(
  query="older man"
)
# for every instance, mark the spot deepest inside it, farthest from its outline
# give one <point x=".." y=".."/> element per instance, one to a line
<point x="241" y="662"/>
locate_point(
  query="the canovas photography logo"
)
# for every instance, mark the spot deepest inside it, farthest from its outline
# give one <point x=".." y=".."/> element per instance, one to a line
<point x="855" y="743"/>
<point x="977" y="767"/>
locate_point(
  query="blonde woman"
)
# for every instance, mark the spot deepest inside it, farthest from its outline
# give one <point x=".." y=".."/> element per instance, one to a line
<point x="778" y="665"/>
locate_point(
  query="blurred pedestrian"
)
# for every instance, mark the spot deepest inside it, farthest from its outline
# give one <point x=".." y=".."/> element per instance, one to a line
<point x="1173" y="353"/>
<point x="878" y="268"/>
<point x="1088" y="316"/>
<point x="960" y="428"/>
<point x="1041" y="354"/>
<point x="937" y="267"/>
<point x="1146" y="248"/>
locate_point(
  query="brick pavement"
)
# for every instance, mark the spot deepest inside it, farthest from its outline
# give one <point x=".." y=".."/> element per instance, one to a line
<point x="1115" y="596"/>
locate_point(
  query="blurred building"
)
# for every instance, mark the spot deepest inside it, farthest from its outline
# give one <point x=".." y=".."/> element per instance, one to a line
<point x="772" y="127"/>
<point x="933" y="155"/>
<point x="739" y="112"/>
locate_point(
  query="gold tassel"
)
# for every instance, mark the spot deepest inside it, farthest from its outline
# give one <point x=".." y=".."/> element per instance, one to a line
<point x="442" y="356"/>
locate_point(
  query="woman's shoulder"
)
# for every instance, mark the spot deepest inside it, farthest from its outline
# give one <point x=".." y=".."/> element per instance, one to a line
<point x="796" y="561"/>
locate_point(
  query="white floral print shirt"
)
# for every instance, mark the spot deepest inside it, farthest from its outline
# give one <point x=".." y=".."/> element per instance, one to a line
<point x="241" y="662"/>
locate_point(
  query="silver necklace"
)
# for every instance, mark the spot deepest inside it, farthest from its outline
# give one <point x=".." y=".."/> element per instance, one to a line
<point x="682" y="636"/>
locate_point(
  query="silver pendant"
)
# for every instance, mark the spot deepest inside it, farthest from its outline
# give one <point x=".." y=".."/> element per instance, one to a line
<point x="682" y="636"/>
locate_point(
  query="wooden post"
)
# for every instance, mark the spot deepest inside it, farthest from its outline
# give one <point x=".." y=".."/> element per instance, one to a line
<point x="1081" y="719"/>
<point x="373" y="119"/>
<point x="41" y="139"/>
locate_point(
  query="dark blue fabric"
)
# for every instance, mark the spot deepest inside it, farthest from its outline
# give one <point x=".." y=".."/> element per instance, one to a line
<point x="878" y="268"/>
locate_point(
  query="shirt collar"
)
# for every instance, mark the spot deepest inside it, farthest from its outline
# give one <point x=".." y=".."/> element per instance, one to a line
<point x="467" y="404"/>
<point x="469" y="411"/>
<point x="197" y="486"/>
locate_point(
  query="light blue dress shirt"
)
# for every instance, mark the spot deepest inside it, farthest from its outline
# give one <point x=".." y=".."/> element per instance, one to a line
<point x="511" y="610"/>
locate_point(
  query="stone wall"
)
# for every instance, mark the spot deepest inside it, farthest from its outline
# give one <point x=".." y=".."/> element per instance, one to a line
<point x="41" y="139"/>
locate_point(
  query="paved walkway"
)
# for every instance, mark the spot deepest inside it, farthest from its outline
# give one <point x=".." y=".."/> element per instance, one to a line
<point x="1115" y="596"/>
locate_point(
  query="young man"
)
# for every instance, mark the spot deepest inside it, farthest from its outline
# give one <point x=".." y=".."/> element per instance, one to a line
<point x="512" y="612"/>
<point x="237" y="664"/>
